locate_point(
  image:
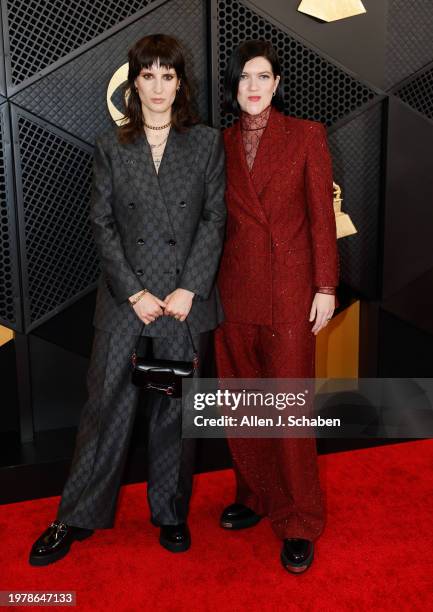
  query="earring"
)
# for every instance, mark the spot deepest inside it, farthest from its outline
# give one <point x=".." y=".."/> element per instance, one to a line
<point x="273" y="93"/>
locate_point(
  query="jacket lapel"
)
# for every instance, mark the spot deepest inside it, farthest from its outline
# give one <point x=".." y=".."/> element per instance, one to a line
<point x="270" y="153"/>
<point x="250" y="186"/>
<point x="238" y="175"/>
<point x="137" y="158"/>
<point x="176" y="165"/>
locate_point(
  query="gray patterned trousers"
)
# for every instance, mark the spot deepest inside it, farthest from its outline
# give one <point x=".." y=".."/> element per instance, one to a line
<point x="90" y="494"/>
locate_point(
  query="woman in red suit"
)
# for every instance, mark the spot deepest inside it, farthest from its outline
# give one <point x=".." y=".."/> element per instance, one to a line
<point x="277" y="282"/>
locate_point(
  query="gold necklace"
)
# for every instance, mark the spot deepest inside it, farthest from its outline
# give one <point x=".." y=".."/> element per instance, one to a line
<point x="157" y="127"/>
<point x="154" y="146"/>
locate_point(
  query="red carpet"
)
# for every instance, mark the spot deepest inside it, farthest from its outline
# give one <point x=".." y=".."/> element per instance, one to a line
<point x="375" y="553"/>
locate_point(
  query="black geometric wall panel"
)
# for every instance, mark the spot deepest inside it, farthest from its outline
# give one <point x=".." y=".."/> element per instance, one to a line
<point x="73" y="96"/>
<point x="357" y="164"/>
<point x="409" y="39"/>
<point x="10" y="312"/>
<point x="414" y="304"/>
<point x="408" y="250"/>
<point x="339" y="39"/>
<point x="314" y="88"/>
<point x="2" y="59"/>
<point x="405" y="351"/>
<point x="42" y="31"/>
<point x="418" y="92"/>
<point x="58" y="255"/>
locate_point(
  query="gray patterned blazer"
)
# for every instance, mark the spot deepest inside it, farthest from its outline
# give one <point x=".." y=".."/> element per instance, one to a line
<point x="159" y="231"/>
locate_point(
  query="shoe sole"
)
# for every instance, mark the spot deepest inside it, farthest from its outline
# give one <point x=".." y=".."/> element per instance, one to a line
<point x="241" y="524"/>
<point x="37" y="561"/>
<point x="175" y="548"/>
<point x="297" y="569"/>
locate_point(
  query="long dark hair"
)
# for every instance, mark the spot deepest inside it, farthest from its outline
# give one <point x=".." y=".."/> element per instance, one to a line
<point x="242" y="54"/>
<point x="169" y="53"/>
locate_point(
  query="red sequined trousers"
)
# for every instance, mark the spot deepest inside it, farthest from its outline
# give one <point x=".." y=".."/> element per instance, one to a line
<point x="276" y="477"/>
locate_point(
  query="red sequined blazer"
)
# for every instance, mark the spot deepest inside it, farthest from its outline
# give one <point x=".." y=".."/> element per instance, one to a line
<point x="281" y="236"/>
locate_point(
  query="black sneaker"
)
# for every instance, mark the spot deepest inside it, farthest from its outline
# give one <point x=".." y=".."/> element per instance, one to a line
<point x="55" y="542"/>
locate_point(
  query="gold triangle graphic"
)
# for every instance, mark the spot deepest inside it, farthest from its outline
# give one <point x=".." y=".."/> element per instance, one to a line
<point x="331" y="10"/>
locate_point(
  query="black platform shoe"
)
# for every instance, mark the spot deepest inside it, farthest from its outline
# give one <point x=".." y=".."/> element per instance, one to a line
<point x="175" y="538"/>
<point x="297" y="555"/>
<point x="55" y="542"/>
<point x="238" y="516"/>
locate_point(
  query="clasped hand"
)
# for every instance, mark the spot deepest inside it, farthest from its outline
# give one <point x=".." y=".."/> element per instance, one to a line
<point x="176" y="304"/>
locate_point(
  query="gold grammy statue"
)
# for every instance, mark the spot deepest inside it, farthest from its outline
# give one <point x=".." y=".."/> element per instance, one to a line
<point x="344" y="223"/>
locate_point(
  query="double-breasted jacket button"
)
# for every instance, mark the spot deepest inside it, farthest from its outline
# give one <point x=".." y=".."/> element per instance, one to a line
<point x="177" y="270"/>
<point x="140" y="241"/>
<point x="139" y="272"/>
<point x="182" y="204"/>
<point x="131" y="205"/>
<point x="172" y="242"/>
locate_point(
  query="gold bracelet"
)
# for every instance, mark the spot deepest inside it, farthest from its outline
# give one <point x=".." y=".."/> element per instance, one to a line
<point x="138" y="298"/>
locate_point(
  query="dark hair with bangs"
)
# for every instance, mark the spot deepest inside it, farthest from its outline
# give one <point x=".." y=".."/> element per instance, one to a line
<point x="143" y="54"/>
<point x="242" y="54"/>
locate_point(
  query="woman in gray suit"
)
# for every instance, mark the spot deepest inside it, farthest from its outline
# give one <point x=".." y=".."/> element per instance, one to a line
<point x="158" y="216"/>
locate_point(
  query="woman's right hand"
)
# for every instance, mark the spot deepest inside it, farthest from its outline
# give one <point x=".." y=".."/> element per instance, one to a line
<point x="148" y="308"/>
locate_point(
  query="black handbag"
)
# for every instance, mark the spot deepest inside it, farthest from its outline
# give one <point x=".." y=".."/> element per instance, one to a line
<point x="162" y="375"/>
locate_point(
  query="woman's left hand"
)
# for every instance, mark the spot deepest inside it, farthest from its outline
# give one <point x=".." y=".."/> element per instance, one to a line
<point x="179" y="304"/>
<point x="322" y="309"/>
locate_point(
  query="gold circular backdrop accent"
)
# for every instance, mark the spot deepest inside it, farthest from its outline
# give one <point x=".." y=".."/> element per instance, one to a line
<point x="118" y="78"/>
